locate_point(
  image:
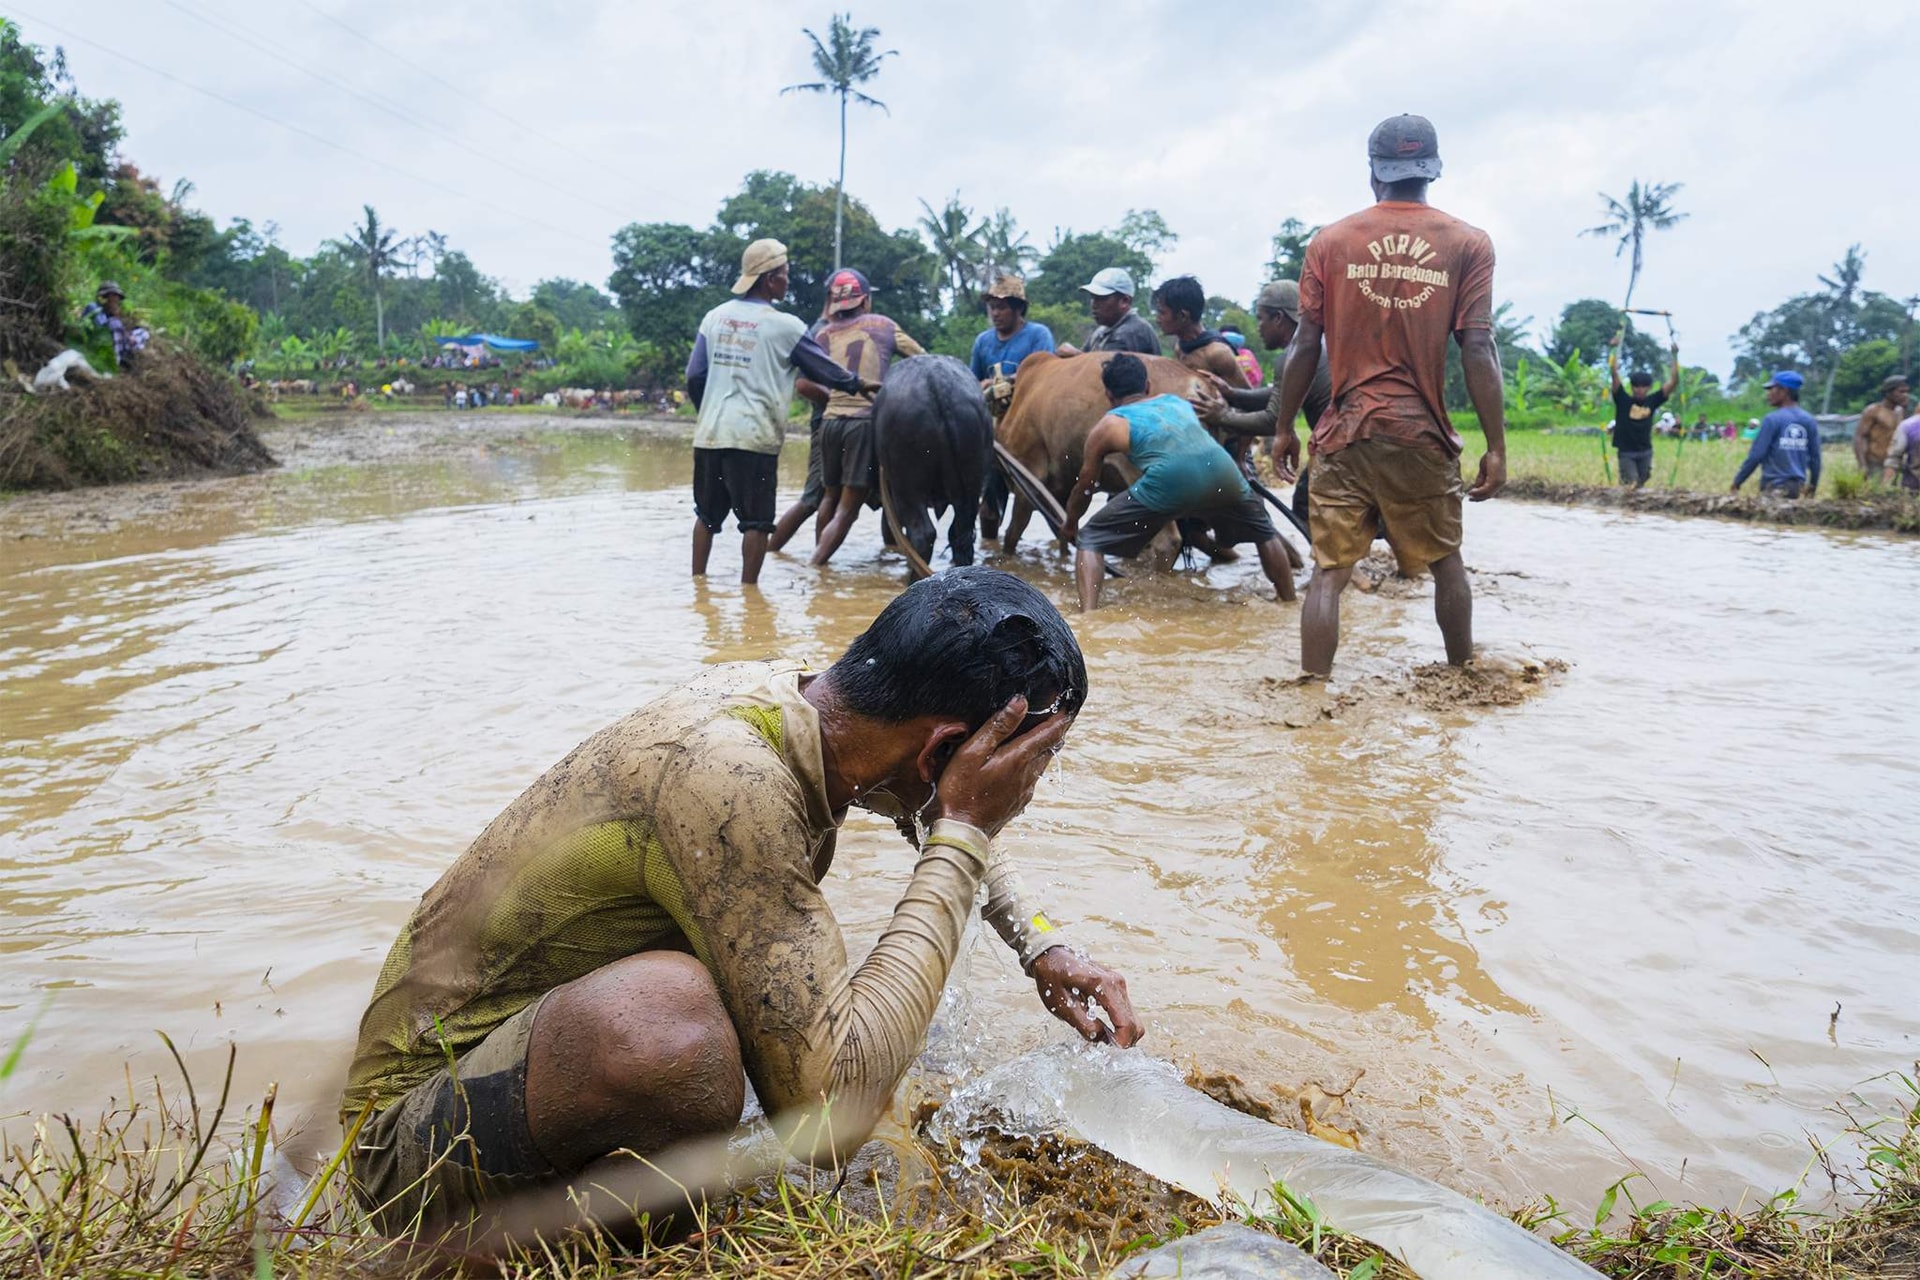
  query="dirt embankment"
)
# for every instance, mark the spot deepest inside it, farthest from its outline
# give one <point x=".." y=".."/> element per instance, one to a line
<point x="171" y="418"/>
<point x="1875" y="509"/>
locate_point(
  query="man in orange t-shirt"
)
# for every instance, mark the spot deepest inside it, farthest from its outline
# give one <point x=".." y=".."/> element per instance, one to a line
<point x="1386" y="287"/>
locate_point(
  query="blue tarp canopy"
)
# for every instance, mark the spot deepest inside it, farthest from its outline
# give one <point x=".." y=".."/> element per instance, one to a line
<point x="492" y="341"/>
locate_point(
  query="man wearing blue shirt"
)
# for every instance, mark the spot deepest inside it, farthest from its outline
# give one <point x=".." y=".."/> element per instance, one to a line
<point x="1013" y="337"/>
<point x="1787" y="449"/>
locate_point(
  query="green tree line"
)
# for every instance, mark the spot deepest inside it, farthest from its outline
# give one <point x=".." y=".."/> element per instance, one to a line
<point x="238" y="293"/>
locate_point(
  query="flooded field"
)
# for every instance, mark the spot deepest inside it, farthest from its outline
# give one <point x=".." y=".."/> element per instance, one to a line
<point x="1571" y="922"/>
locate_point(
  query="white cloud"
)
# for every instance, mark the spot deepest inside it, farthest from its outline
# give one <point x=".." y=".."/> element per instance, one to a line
<point x="1227" y="119"/>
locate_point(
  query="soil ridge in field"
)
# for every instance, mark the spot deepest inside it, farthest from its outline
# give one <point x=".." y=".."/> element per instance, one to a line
<point x="170" y="417"/>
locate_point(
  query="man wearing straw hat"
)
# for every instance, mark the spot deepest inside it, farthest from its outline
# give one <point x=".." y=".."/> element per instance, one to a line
<point x="741" y="376"/>
<point x="1011" y="338"/>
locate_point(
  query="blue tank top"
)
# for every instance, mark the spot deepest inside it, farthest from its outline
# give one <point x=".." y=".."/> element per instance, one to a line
<point x="1183" y="468"/>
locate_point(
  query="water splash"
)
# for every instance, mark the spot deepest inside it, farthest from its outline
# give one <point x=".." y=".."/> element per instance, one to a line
<point x="1138" y="1109"/>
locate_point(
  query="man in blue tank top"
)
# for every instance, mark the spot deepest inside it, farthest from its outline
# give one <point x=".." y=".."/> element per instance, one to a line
<point x="1184" y="472"/>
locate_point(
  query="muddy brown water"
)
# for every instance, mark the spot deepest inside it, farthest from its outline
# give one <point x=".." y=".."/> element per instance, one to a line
<point x="244" y="723"/>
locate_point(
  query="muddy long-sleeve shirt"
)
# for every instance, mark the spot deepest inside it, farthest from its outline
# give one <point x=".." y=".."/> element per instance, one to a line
<point x="699" y="822"/>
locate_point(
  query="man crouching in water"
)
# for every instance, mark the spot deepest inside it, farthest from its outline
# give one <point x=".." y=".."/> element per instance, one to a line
<point x="644" y="925"/>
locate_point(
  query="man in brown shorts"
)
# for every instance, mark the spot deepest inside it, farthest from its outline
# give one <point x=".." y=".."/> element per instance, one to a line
<point x="1386" y="287"/>
<point x="643" y="928"/>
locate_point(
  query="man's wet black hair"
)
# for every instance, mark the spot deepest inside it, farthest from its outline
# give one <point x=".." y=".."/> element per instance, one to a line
<point x="1640" y="378"/>
<point x="1124" y="375"/>
<point x="1183" y="293"/>
<point x="1407" y="190"/>
<point x="962" y="643"/>
<point x="1018" y="304"/>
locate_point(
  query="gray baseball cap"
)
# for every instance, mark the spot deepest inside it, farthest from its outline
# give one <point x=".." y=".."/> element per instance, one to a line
<point x="1404" y="147"/>
<point x="1282" y="296"/>
<point x="1112" y="280"/>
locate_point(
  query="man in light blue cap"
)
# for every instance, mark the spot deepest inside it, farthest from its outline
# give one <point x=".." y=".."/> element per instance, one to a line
<point x="1121" y="328"/>
<point x="1787" y="450"/>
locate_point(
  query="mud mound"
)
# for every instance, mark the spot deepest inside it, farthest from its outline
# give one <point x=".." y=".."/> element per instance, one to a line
<point x="1379" y="574"/>
<point x="1876" y="509"/>
<point x="171" y="418"/>
<point x="1488" y="681"/>
<point x="1483" y="682"/>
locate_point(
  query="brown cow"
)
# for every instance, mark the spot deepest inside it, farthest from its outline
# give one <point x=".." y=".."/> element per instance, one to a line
<point x="1056" y="402"/>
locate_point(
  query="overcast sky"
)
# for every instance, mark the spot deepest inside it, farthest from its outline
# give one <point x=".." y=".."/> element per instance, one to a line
<point x="551" y="125"/>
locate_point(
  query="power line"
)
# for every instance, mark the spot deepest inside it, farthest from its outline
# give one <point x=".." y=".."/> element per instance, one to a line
<point x="436" y="132"/>
<point x="597" y="161"/>
<point x="305" y="132"/>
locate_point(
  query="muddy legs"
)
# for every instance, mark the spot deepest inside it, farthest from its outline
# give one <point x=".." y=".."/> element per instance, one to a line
<point x="753" y="551"/>
<point x="702" y="548"/>
<point x="1278" y="568"/>
<point x="1453" y="607"/>
<point x="846" y="509"/>
<point x="636" y="1055"/>
<point x="1088" y="570"/>
<point x="1320" y="620"/>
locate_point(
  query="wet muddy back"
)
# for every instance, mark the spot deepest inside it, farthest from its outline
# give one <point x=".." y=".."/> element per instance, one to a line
<point x="1625" y="872"/>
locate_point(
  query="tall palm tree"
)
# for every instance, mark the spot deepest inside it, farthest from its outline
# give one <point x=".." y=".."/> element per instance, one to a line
<point x="845" y="59"/>
<point x="955" y="243"/>
<point x="1645" y="209"/>
<point x="1004" y="248"/>
<point x="374" y="249"/>
<point x="1843" y="311"/>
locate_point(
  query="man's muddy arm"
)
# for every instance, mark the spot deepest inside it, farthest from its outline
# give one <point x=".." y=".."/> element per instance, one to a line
<point x="1480" y="359"/>
<point x="812" y="1031"/>
<point x="1018" y="920"/>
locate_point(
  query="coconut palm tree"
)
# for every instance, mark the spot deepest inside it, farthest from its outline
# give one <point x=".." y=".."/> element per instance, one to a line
<point x="1004" y="248"/>
<point x="955" y="243"/>
<point x="1645" y="209"/>
<point x="1843" y="308"/>
<point x="845" y="59"/>
<point x="374" y="249"/>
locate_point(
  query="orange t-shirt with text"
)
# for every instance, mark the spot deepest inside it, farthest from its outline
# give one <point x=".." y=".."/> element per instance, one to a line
<point x="1390" y="285"/>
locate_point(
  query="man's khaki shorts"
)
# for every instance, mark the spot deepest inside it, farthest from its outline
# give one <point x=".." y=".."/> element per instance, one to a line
<point x="455" y="1140"/>
<point x="1411" y="494"/>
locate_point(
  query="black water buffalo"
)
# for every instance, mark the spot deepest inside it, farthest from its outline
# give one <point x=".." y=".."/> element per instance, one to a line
<point x="934" y="439"/>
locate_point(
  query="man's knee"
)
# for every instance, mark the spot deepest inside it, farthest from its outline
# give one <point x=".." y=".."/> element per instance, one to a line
<point x="649" y="1035"/>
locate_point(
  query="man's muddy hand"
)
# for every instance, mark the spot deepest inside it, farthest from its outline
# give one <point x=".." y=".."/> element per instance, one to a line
<point x="1208" y="404"/>
<point x="1286" y="453"/>
<point x="992" y="776"/>
<point x="1072" y="986"/>
<point x="1492" y="477"/>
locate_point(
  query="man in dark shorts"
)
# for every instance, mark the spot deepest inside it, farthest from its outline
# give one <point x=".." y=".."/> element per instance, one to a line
<point x="868" y="344"/>
<point x="585" y="991"/>
<point x="1633" y="414"/>
<point x="1184" y="473"/>
<point x="741" y="377"/>
<point x="1386" y="287"/>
